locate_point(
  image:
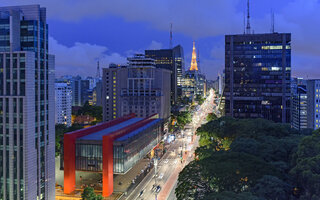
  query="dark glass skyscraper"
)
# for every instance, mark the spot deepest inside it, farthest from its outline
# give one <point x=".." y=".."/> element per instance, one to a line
<point x="173" y="60"/>
<point x="257" y="76"/>
<point x="27" y="139"/>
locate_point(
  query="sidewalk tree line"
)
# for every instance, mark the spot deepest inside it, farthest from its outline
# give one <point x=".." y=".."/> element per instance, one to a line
<point x="252" y="159"/>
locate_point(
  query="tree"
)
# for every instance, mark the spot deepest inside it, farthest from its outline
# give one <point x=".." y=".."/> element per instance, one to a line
<point x="307" y="169"/>
<point x="227" y="195"/>
<point x="89" y="194"/>
<point x="211" y="117"/>
<point x="60" y="130"/>
<point x="191" y="185"/>
<point x="271" y="187"/>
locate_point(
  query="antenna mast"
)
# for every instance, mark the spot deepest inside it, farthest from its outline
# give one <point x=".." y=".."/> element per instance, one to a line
<point x="272" y="21"/>
<point x="170" y="45"/>
<point x="244" y="22"/>
<point x="248" y="28"/>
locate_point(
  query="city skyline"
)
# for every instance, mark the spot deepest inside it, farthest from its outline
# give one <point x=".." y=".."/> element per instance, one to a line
<point x="132" y="32"/>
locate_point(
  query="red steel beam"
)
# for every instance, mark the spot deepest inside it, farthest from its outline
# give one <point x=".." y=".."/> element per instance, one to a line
<point x="107" y="154"/>
<point x="70" y="150"/>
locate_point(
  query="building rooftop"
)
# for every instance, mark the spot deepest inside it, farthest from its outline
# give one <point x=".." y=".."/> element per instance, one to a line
<point x="98" y="135"/>
<point x="137" y="131"/>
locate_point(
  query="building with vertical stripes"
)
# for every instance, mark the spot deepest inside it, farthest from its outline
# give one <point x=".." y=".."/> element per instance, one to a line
<point x="27" y="141"/>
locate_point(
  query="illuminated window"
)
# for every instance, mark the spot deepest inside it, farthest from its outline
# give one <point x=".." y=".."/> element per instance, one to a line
<point x="114" y="105"/>
<point x="264" y="69"/>
<point x="275" y="68"/>
<point x="114" y="81"/>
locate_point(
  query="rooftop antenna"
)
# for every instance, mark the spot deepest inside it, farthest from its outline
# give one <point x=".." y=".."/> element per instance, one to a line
<point x="248" y="28"/>
<point x="272" y="21"/>
<point x="98" y="69"/>
<point x="170" y="45"/>
<point x="244" y="22"/>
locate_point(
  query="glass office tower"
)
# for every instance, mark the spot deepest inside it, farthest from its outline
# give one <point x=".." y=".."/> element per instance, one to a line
<point x="27" y="142"/>
<point x="257" y="76"/>
<point x="173" y="60"/>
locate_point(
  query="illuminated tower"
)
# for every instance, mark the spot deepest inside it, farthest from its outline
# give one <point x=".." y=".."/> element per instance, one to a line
<point x="194" y="65"/>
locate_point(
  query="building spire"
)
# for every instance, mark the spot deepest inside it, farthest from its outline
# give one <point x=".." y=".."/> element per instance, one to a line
<point x="248" y="28"/>
<point x="194" y="64"/>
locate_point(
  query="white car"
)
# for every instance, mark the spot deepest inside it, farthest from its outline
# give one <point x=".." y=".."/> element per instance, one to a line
<point x="160" y="176"/>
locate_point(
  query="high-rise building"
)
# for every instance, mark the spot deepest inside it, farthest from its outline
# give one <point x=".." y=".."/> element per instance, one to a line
<point x="173" y="60"/>
<point x="76" y="90"/>
<point x="138" y="88"/>
<point x="299" y="104"/>
<point x="97" y="94"/>
<point x="27" y="138"/>
<point x="194" y="83"/>
<point x="313" y="93"/>
<point x="257" y="76"/>
<point x="63" y="97"/>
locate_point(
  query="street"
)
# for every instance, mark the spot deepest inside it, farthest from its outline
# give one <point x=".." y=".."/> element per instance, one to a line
<point x="171" y="164"/>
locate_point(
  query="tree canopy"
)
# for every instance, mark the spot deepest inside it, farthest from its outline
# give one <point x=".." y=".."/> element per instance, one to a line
<point x="89" y="194"/>
<point x="252" y="159"/>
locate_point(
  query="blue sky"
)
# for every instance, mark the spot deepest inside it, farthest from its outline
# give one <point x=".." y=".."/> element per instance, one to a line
<point x="83" y="31"/>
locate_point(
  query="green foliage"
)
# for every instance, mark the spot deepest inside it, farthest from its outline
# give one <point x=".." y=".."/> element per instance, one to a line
<point x="307" y="169"/>
<point x="211" y="117"/>
<point x="183" y="118"/>
<point x="89" y="194"/>
<point x="60" y="130"/>
<point x="271" y="187"/>
<point x="227" y="195"/>
<point x="251" y="159"/>
<point x="94" y="111"/>
<point x="200" y="99"/>
<point x="191" y="185"/>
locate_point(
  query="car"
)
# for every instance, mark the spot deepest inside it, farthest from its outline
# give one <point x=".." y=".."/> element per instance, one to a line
<point x="154" y="188"/>
<point x="141" y="193"/>
<point x="158" y="189"/>
<point x="160" y="176"/>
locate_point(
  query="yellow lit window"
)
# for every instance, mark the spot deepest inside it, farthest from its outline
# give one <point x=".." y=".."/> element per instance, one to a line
<point x="114" y="113"/>
<point x="114" y="105"/>
<point x="114" y="81"/>
<point x="114" y="97"/>
<point x="114" y="93"/>
<point x="114" y="117"/>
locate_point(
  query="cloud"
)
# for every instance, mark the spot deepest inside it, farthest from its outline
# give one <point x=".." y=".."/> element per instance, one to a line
<point x="194" y="18"/>
<point x="155" y="45"/>
<point x="81" y="58"/>
<point x="204" y="19"/>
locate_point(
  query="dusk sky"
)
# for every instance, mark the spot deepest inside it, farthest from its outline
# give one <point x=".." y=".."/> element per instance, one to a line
<point x="83" y="31"/>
